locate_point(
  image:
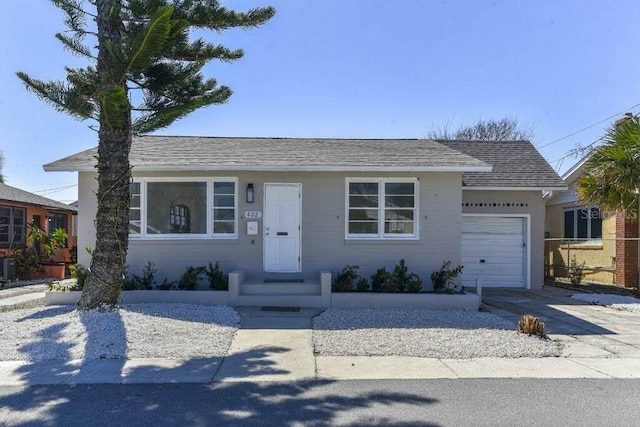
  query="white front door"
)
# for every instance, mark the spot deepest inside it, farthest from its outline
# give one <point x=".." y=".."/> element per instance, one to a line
<point x="282" y="217"/>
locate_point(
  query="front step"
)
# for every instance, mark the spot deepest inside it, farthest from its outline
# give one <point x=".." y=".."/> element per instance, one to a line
<point x="280" y="300"/>
<point x="289" y="288"/>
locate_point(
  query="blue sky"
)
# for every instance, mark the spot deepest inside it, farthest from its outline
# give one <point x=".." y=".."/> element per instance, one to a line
<point x="359" y="68"/>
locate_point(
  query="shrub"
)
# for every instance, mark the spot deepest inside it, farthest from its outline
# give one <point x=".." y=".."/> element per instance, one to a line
<point x="444" y="279"/>
<point x="79" y="273"/>
<point x="380" y="280"/>
<point x="25" y="260"/>
<point x="362" y="285"/>
<point x="218" y="281"/>
<point x="144" y="282"/>
<point x="346" y="279"/>
<point x="575" y="272"/>
<point x="189" y="279"/>
<point x="166" y="285"/>
<point x="531" y="325"/>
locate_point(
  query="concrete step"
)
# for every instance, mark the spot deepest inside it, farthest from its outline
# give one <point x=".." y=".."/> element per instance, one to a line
<point x="279" y="300"/>
<point x="33" y="299"/>
<point x="294" y="288"/>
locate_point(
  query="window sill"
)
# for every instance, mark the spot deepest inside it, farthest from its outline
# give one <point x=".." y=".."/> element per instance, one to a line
<point x="171" y="240"/>
<point x="387" y="241"/>
<point x="594" y="244"/>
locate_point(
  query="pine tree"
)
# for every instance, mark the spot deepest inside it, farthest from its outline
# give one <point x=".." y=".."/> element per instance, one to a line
<point x="144" y="53"/>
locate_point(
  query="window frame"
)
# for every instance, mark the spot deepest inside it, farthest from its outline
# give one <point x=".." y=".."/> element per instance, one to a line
<point x="381" y="235"/>
<point x="10" y="232"/>
<point x="209" y="234"/>
<point x="576" y="212"/>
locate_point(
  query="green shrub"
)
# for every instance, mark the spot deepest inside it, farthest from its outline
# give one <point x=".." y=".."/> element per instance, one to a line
<point x="79" y="273"/>
<point x="362" y="285"/>
<point x="346" y="279"/>
<point x="380" y="280"/>
<point x="189" y="279"/>
<point x="145" y="282"/>
<point x="218" y="281"/>
<point x="166" y="285"/>
<point x="444" y="279"/>
<point x="25" y="260"/>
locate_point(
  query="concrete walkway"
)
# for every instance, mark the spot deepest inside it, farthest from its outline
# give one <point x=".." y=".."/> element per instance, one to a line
<point x="277" y="346"/>
<point x="22" y="297"/>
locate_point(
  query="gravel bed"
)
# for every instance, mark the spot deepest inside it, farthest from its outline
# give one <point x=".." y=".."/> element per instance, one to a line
<point x="620" y="302"/>
<point x="134" y="330"/>
<point x="451" y="334"/>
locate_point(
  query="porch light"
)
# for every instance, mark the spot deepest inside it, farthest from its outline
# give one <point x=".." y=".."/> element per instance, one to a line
<point x="249" y="193"/>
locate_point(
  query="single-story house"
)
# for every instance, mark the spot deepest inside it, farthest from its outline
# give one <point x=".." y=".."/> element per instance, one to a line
<point x="599" y="242"/>
<point x="284" y="209"/>
<point x="19" y="209"/>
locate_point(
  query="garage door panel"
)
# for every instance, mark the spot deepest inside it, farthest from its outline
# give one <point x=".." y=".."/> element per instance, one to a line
<point x="498" y="241"/>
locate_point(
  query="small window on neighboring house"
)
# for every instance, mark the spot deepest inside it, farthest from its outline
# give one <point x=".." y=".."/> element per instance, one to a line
<point x="383" y="208"/>
<point x="12" y="226"/>
<point x="57" y="220"/>
<point x="582" y="223"/>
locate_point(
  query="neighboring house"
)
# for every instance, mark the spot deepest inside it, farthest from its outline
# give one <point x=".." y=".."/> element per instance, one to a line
<point x="588" y="237"/>
<point x="288" y="208"/>
<point x="19" y="210"/>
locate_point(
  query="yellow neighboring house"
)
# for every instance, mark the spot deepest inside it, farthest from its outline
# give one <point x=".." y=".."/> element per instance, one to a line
<point x="588" y="239"/>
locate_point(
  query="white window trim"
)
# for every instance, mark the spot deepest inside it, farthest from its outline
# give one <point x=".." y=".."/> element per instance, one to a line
<point x="209" y="181"/>
<point x="576" y="209"/>
<point x="381" y="235"/>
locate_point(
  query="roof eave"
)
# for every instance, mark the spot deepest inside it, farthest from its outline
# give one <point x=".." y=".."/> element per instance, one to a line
<point x="249" y="168"/>
<point x="543" y="188"/>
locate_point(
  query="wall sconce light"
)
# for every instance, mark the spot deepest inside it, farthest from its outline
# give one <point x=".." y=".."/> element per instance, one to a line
<point x="249" y="193"/>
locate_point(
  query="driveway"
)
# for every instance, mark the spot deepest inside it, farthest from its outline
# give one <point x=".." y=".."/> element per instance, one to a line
<point x="585" y="330"/>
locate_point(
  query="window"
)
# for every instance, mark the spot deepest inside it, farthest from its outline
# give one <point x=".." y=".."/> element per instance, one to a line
<point x="135" y="209"/>
<point x="12" y="226"/>
<point x="179" y="208"/>
<point x="162" y="197"/>
<point x="57" y="220"/>
<point x="382" y="208"/>
<point x="582" y="223"/>
<point x="224" y="207"/>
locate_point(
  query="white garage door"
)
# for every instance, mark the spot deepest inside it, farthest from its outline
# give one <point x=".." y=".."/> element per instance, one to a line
<point x="493" y="249"/>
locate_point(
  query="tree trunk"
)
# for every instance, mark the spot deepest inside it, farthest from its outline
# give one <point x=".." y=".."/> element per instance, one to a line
<point x="108" y="260"/>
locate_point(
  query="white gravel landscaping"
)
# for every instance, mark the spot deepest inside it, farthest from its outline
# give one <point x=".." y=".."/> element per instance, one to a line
<point x="134" y="330"/>
<point x="423" y="333"/>
<point x="620" y="302"/>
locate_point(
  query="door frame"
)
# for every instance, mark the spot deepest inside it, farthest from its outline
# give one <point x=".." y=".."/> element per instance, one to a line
<point x="527" y="241"/>
<point x="298" y="185"/>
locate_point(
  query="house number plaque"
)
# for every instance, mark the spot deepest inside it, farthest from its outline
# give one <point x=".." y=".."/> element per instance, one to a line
<point x="253" y="214"/>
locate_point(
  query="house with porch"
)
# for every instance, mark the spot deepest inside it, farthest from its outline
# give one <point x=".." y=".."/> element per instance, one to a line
<point x="282" y="210"/>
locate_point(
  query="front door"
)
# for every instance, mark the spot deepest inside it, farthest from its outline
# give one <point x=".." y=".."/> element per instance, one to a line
<point x="282" y="209"/>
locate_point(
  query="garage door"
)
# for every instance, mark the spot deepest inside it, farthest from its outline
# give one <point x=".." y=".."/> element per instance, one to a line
<point x="493" y="249"/>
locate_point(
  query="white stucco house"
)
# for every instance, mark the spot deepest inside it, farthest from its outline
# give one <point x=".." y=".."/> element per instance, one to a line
<point x="285" y="209"/>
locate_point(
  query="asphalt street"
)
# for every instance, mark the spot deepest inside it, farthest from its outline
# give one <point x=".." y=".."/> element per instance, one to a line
<point x="461" y="402"/>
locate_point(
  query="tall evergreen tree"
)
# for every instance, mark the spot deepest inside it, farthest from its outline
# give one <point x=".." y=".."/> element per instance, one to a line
<point x="1" y="167"/>
<point x="145" y="55"/>
<point x="612" y="177"/>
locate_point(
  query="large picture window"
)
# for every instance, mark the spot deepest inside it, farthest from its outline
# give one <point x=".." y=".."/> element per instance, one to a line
<point x="180" y="208"/>
<point x="383" y="208"/>
<point x="582" y="223"/>
<point x="12" y="226"/>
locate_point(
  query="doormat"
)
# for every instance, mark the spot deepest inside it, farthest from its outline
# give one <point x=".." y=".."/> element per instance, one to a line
<point x="283" y="281"/>
<point x="289" y="309"/>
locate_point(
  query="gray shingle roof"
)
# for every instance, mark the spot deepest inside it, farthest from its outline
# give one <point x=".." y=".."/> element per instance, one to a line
<point x="13" y="194"/>
<point x="303" y="154"/>
<point x="516" y="164"/>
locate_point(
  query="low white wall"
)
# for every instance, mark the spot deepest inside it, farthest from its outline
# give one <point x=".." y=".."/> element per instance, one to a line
<point x="143" y="297"/>
<point x="429" y="301"/>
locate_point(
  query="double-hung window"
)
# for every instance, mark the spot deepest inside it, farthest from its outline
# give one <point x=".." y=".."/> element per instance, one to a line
<point x="194" y="208"/>
<point x="12" y="226"/>
<point x="582" y="223"/>
<point x="382" y="208"/>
